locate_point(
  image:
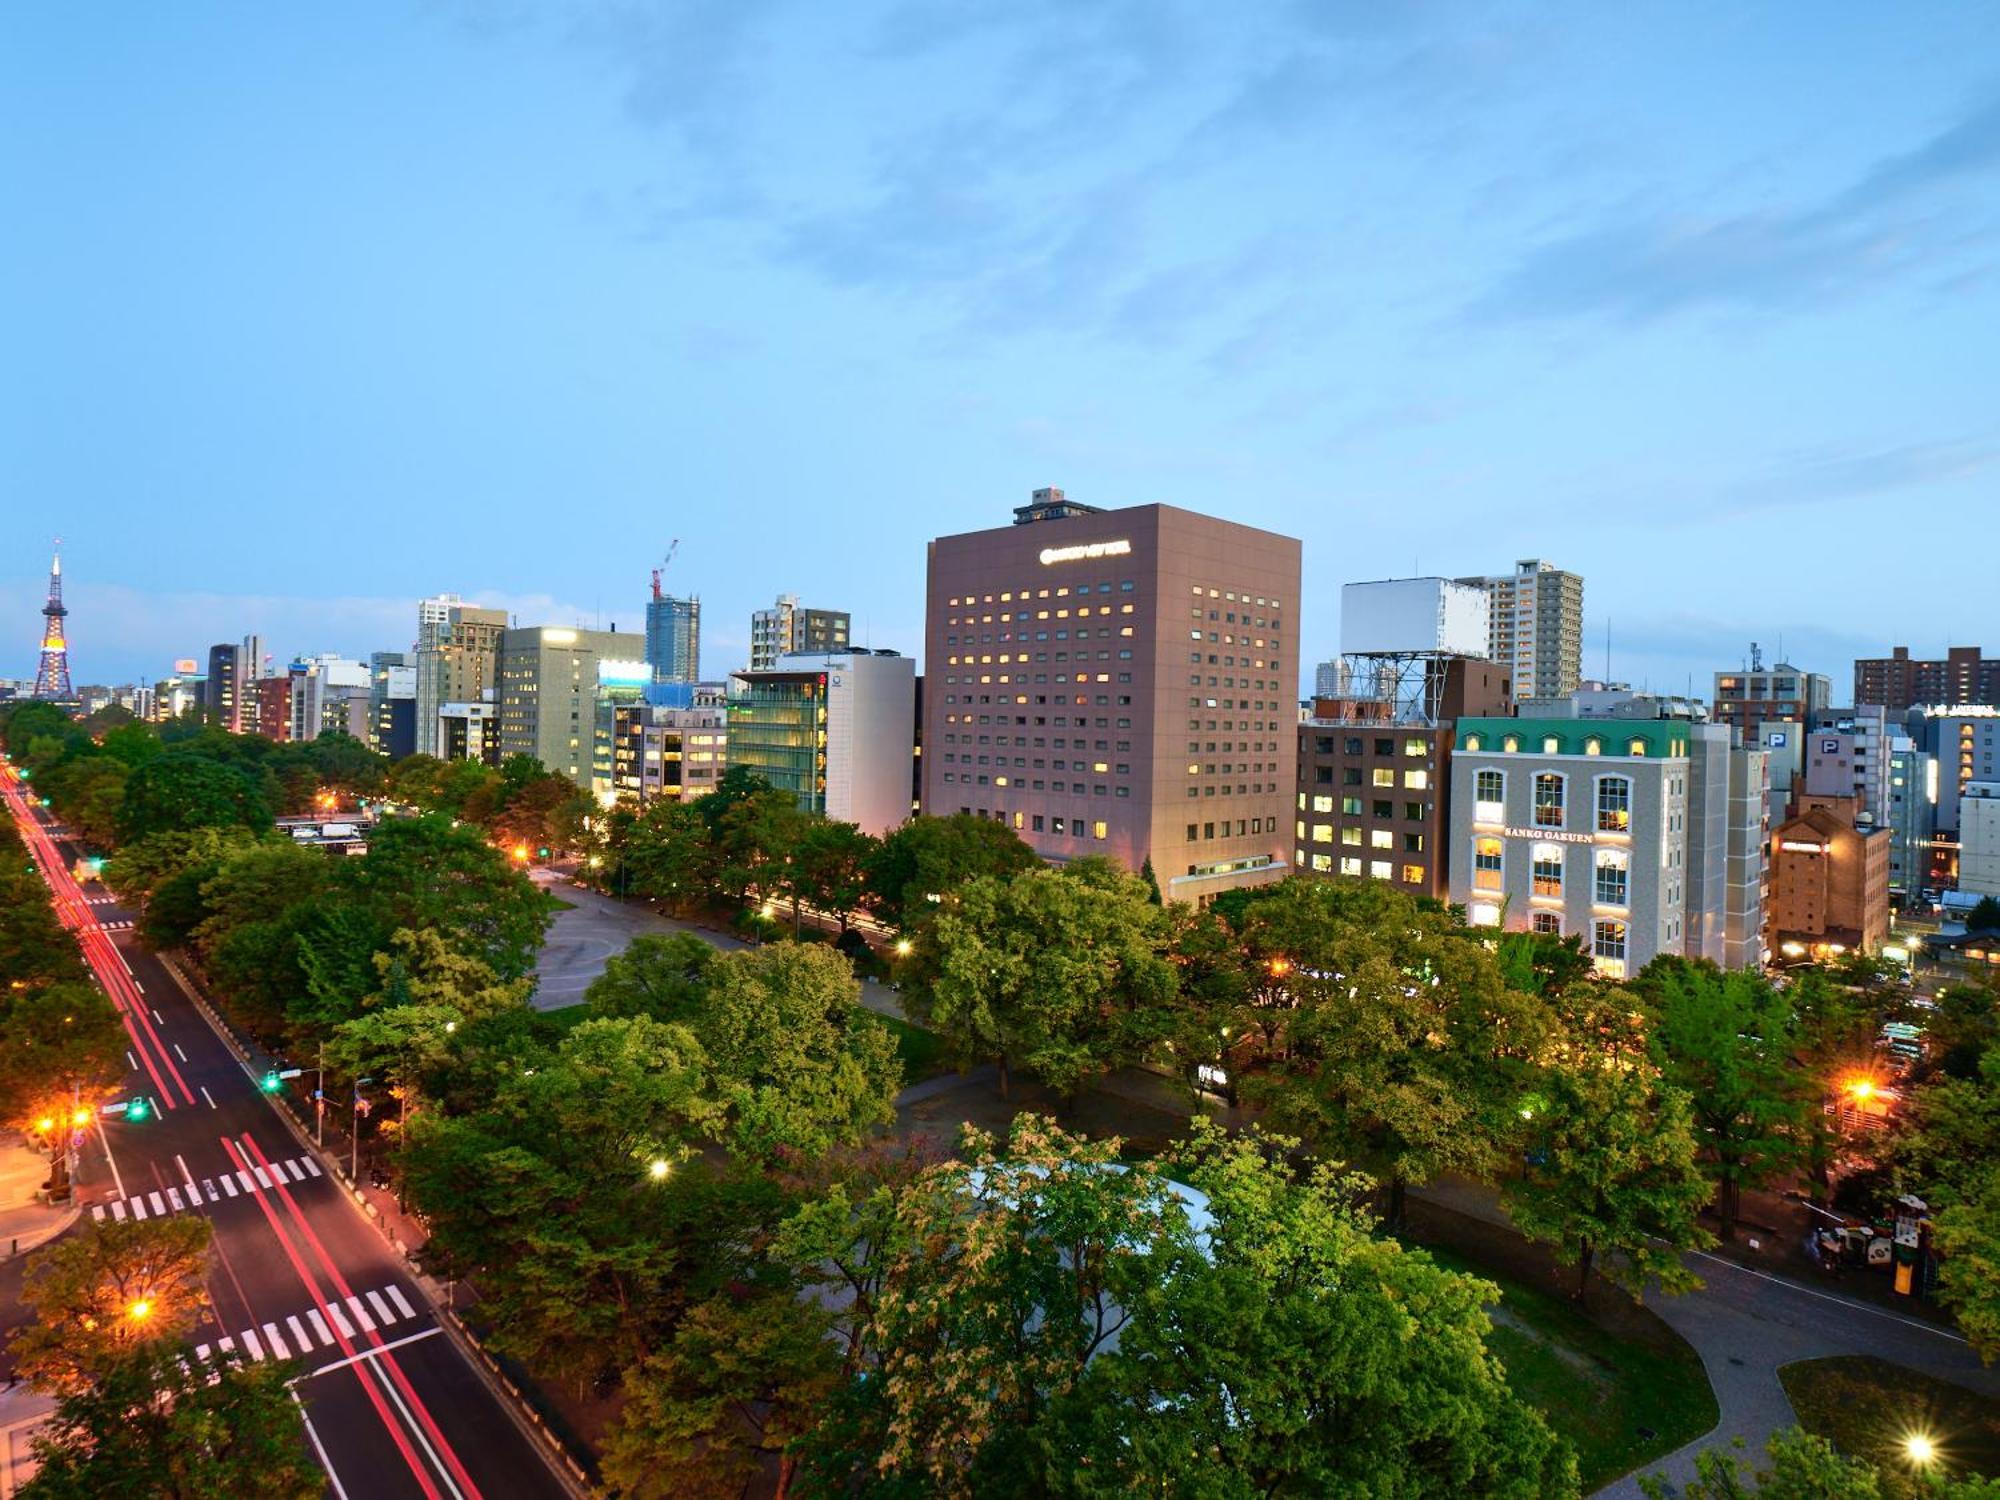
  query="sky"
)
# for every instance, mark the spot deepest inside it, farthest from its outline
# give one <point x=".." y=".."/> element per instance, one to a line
<point x="310" y="311"/>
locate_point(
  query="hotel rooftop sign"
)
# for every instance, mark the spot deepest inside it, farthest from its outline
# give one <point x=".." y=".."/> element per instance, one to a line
<point x="1085" y="550"/>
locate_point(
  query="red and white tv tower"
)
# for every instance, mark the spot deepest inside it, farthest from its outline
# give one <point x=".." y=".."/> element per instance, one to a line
<point x="52" y="676"/>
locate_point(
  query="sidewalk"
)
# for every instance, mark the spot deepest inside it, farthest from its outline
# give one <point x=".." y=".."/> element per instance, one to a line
<point x="22" y="1411"/>
<point x="26" y="1221"/>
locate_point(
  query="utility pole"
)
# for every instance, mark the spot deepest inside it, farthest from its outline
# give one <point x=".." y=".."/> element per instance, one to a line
<point x="319" y="1099"/>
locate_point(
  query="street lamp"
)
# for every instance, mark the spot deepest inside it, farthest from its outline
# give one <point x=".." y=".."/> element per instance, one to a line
<point x="140" y="1310"/>
<point x="1920" y="1449"/>
<point x="658" y="1168"/>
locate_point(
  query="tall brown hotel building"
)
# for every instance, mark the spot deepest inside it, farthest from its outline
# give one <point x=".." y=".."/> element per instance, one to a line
<point x="1119" y="682"/>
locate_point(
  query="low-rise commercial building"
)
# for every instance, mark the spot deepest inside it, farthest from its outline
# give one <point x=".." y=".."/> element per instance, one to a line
<point x="1757" y="695"/>
<point x="468" y="731"/>
<point x="673" y="753"/>
<point x="1979" y="838"/>
<point x="1829" y="881"/>
<point x="834" y="730"/>
<point x="1598" y="830"/>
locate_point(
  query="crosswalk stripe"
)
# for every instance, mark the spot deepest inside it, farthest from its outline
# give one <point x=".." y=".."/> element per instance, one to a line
<point x="249" y="1182"/>
<point x="319" y="1326"/>
<point x="277" y="1342"/>
<point x="396" y="1296"/>
<point x="225" y="1346"/>
<point x="340" y="1320"/>
<point x="381" y="1308"/>
<point x="201" y="1351"/>
<point x="138" y="1208"/>
<point x="158" y="1206"/>
<point x="97" y="1212"/>
<point x="262" y="1180"/>
<point x="298" y="1172"/>
<point x="250" y="1342"/>
<point x="299" y="1334"/>
<point x="360" y="1314"/>
<point x="118" y="1209"/>
<point x="174" y="1197"/>
<point x="312" y="1167"/>
<point x="229" y="1184"/>
<point x="208" y="1187"/>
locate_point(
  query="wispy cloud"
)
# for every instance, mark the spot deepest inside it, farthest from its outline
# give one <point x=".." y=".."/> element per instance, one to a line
<point x="1883" y="224"/>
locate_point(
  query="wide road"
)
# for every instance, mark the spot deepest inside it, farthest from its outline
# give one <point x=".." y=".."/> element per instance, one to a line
<point x="391" y="1407"/>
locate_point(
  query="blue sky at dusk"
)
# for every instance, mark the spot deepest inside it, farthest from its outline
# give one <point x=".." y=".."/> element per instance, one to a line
<point x="311" y="310"/>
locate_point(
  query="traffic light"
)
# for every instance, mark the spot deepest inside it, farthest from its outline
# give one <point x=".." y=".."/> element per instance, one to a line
<point x="138" y="1112"/>
<point x="542" y="853"/>
<point x="270" y="1083"/>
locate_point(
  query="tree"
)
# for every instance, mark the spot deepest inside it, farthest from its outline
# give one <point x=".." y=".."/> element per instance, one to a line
<point x="551" y="1194"/>
<point x="796" y="1063"/>
<point x="659" y="975"/>
<point x="422" y="968"/>
<point x="106" y="1289"/>
<point x="132" y="743"/>
<point x="743" y="1378"/>
<point x="1726" y="1040"/>
<point x="537" y="809"/>
<point x="1985" y="916"/>
<point x="60" y="1045"/>
<point x="141" y="866"/>
<point x="1611" y="1171"/>
<point x="1051" y="1322"/>
<point x="179" y="791"/>
<point x="34" y="944"/>
<point x="754" y="843"/>
<point x="424" y="873"/>
<point x="1803" y="1467"/>
<point x="829" y="867"/>
<point x="928" y="859"/>
<point x="1403" y="1047"/>
<point x="26" y="721"/>
<point x="161" y="1424"/>
<point x="1059" y="973"/>
<point x="668" y="854"/>
<point x="89" y="793"/>
<point x="1948" y="1155"/>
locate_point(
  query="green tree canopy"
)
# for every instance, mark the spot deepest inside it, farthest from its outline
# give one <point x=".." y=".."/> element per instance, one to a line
<point x="658" y="975"/>
<point x="159" y="1424"/>
<point x="927" y="859"/>
<point x="60" y="1043"/>
<point x="1060" y="973"/>
<point x="106" y="1289"/>
<point x="179" y="791"/>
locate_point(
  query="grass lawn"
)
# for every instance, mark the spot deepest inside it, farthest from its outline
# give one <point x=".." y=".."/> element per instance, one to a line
<point x="1866" y="1408"/>
<point x="1620" y="1402"/>
<point x="922" y="1052"/>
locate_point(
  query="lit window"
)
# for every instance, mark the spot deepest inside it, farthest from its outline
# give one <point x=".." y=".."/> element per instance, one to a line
<point x="1548" y="800"/>
<point x="1614" y="804"/>
<point x="1593" y="746"/>
<point x="1379" y="868"/>
<point x="1413" y="874"/>
<point x="1383" y="776"/>
<point x="1510" y="744"/>
<point x="1416" y="747"/>
<point x="1322" y="833"/>
<point x="1548" y="870"/>
<point x="1350" y="836"/>
<point x="1551" y="745"/>
<point x="1613" y="877"/>
<point x="1472" y="742"/>
<point x="1636" y="747"/>
<point x="1417" y="781"/>
<point x="1100" y="829"/>
<point x="1381" y="838"/>
<point x="1548" y="923"/>
<point x="1607" y="946"/>
<point x="1486" y="861"/>
<point x="1350" y="866"/>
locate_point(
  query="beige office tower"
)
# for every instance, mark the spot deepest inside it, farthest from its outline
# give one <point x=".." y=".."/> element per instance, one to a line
<point x="457" y="660"/>
<point x="1119" y="682"/>
<point x="1535" y="627"/>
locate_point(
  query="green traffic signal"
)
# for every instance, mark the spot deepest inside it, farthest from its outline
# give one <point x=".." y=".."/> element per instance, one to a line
<point x="137" y="1110"/>
<point x="270" y="1083"/>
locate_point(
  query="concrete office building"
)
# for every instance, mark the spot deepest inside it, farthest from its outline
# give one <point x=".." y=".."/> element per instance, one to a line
<point x="557" y="688"/>
<point x="469" y="731"/>
<point x="674" y="753"/>
<point x="1567" y="826"/>
<point x="834" y="729"/>
<point x="787" y="628"/>
<point x="673" y="636"/>
<point x="1898" y="682"/>
<point x="1847" y="754"/>
<point x="1535" y="627"/>
<point x="392" y="704"/>
<point x="1757" y="694"/>
<point x="1979" y="838"/>
<point x="329" y="695"/>
<point x="1965" y="739"/>
<point x="457" y="661"/>
<point x="274" y="707"/>
<point x="1373" y="783"/>
<point x="219" y="691"/>
<point x="1119" y="682"/>
<point x="1913" y="790"/>
<point x="1829" y="881"/>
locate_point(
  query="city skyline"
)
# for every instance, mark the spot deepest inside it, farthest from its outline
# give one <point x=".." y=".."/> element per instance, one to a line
<point x="1315" y="274"/>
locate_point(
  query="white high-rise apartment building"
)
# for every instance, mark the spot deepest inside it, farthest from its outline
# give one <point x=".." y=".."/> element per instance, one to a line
<point x="457" y="661"/>
<point x="1535" y="627"/>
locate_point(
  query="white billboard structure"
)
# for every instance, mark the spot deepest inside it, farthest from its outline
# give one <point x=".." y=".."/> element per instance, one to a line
<point x="1398" y="634"/>
<point x="1402" y="616"/>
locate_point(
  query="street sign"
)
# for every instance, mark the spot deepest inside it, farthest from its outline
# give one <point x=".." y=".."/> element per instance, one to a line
<point x="290" y="1072"/>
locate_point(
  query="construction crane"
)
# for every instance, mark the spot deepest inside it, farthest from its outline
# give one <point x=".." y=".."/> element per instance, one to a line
<point x="672" y="547"/>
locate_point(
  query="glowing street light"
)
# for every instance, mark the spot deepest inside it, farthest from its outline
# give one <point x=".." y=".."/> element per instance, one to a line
<point x="1919" y="1449"/>
<point x="658" y="1168"/>
<point x="80" y="1119"/>
<point x="140" y="1310"/>
<point x="903" y="947"/>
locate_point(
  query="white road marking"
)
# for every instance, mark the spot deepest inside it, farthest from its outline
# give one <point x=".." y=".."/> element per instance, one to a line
<point x="262" y="1180"/>
<point x="158" y="1206"/>
<point x="225" y="1346"/>
<point x="206" y="1095"/>
<point x="312" y="1168"/>
<point x="132" y="1061"/>
<point x="228" y="1184"/>
<point x="299" y="1335"/>
<point x="319" y="1326"/>
<point x="250" y="1342"/>
<point x="355" y="1359"/>
<point x="117" y="1180"/>
<point x="157" y="1017"/>
<point x="201" y="1351"/>
<point x="276" y="1340"/>
<point x="360" y="1314"/>
<point x="177" y="1051"/>
<point x="381" y="1308"/>
<point x="118" y="1209"/>
<point x="396" y="1296"/>
<point x="298" y="1172"/>
<point x="174" y="1197"/>
<point x="319" y="1448"/>
<point x="1793" y="1286"/>
<point x="249" y="1182"/>
<point x="97" y="1213"/>
<point x="208" y="1187"/>
<point x="340" y="1320"/>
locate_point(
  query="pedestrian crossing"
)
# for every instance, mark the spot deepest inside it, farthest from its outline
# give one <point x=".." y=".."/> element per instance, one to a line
<point x="124" y="924"/>
<point x="173" y="1200"/>
<point x="289" y="1337"/>
<point x="100" y="900"/>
